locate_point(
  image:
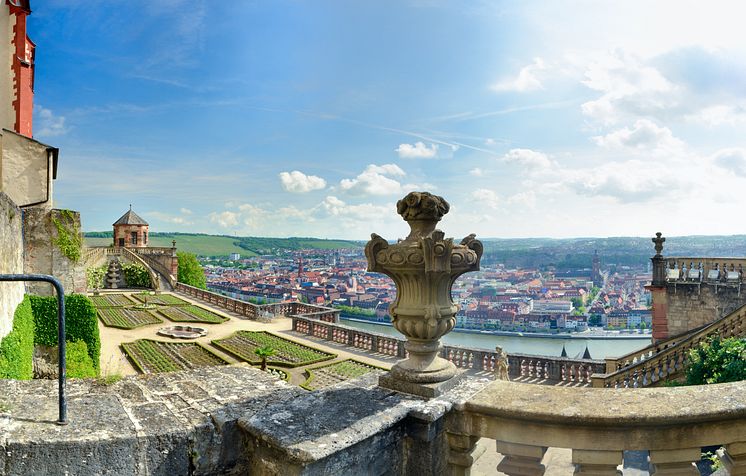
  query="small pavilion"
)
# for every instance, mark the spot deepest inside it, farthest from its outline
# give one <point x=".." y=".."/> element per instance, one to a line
<point x="130" y="231"/>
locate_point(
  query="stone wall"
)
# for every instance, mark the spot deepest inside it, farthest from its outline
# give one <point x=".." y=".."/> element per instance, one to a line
<point x="43" y="256"/>
<point x="11" y="261"/>
<point x="218" y="420"/>
<point x="26" y="170"/>
<point x="688" y="306"/>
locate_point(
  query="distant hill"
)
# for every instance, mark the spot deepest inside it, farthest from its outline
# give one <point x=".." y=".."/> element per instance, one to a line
<point x="223" y="245"/>
<point x="572" y="253"/>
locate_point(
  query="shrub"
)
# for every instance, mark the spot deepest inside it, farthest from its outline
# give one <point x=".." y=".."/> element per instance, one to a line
<point x="717" y="361"/>
<point x="78" y="361"/>
<point x="95" y="277"/>
<point x="136" y="276"/>
<point x="80" y="323"/>
<point x="190" y="271"/>
<point x="17" y="348"/>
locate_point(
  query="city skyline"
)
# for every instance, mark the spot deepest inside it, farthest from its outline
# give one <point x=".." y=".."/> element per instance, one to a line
<point x="300" y="119"/>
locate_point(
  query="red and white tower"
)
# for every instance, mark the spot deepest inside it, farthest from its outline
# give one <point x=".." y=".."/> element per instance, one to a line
<point x="18" y="91"/>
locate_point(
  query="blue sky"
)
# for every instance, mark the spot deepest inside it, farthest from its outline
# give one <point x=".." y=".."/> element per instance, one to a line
<point x="300" y="118"/>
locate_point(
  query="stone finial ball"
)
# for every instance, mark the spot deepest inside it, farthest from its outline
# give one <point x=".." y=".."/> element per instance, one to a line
<point x="422" y="206"/>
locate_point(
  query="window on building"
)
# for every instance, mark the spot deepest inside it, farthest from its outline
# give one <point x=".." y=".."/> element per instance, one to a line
<point x="144" y="237"/>
<point x="134" y="237"/>
<point x="121" y="241"/>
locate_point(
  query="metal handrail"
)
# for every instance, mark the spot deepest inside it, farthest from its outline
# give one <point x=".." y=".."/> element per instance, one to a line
<point x="62" y="400"/>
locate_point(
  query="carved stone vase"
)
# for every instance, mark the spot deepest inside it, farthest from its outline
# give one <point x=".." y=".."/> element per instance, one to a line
<point x="424" y="267"/>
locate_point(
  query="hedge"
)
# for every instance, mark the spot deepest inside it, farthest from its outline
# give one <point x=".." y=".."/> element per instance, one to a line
<point x="136" y="276"/>
<point x="81" y="323"/>
<point x="17" y="348"/>
<point x="79" y="363"/>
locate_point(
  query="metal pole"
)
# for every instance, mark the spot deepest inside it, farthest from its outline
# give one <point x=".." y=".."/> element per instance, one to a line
<point x="62" y="400"/>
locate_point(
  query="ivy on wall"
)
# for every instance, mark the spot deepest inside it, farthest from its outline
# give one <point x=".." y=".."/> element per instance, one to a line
<point x="69" y="238"/>
<point x="95" y="277"/>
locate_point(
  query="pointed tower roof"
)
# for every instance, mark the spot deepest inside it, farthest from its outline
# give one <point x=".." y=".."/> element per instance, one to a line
<point x="130" y="218"/>
<point x="587" y="354"/>
<point x="564" y="351"/>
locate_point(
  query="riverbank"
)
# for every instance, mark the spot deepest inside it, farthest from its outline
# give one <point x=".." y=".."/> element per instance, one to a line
<point x="537" y="335"/>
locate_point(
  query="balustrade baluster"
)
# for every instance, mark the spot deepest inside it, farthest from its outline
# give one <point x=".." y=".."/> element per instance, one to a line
<point x="675" y="462"/>
<point x="521" y="460"/>
<point x="596" y="462"/>
<point x="733" y="458"/>
<point x="462" y="452"/>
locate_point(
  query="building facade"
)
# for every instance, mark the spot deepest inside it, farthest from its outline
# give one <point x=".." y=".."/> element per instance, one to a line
<point x="130" y="231"/>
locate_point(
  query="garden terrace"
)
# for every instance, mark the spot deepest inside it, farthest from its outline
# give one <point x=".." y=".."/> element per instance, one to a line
<point x="111" y="300"/>
<point x="337" y="372"/>
<point x="150" y="356"/>
<point x="242" y="345"/>
<point x="191" y="313"/>
<point x="160" y="299"/>
<point x="124" y="318"/>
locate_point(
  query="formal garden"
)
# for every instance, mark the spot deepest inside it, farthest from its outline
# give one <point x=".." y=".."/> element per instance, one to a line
<point x="142" y="309"/>
<point x="286" y="353"/>
<point x="150" y="356"/>
<point x="330" y="374"/>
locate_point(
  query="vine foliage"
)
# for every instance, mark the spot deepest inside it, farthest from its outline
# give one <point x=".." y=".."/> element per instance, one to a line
<point x="69" y="238"/>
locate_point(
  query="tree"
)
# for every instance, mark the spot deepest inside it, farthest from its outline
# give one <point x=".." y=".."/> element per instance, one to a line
<point x="263" y="353"/>
<point x="717" y="361"/>
<point x="594" y="320"/>
<point x="190" y="271"/>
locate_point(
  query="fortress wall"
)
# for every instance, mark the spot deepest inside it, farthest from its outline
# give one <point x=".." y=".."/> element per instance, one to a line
<point x="690" y="306"/>
<point x="11" y="261"/>
<point x="43" y="256"/>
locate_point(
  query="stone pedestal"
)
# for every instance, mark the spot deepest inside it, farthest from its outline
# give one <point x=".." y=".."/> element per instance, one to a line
<point x="423" y="267"/>
<point x="427" y="390"/>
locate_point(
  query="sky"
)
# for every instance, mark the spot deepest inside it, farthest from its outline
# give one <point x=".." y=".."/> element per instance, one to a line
<point x="312" y="118"/>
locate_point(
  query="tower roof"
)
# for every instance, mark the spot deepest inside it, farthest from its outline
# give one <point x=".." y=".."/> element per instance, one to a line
<point x="130" y="218"/>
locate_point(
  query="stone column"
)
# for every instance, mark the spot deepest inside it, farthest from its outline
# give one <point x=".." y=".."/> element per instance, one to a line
<point x="423" y="267"/>
<point x="596" y="462"/>
<point x="675" y="462"/>
<point x="657" y="289"/>
<point x="521" y="460"/>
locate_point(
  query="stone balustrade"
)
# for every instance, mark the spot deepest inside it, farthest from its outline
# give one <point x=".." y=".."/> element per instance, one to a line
<point x="523" y="367"/>
<point x="128" y="255"/>
<point x="260" y="311"/>
<point x="704" y="270"/>
<point x="667" y="359"/>
<point x="672" y="424"/>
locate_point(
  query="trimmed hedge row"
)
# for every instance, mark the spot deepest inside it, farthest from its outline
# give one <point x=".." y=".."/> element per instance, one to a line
<point x="17" y="348"/>
<point x="81" y="323"/>
<point x="79" y="363"/>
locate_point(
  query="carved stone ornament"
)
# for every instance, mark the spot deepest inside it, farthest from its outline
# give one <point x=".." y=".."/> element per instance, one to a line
<point x="424" y="267"/>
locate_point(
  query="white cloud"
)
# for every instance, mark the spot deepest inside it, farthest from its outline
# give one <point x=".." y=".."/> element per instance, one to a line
<point x="490" y="142"/>
<point x="375" y="180"/>
<point x="418" y="151"/>
<point x="721" y="114"/>
<point x="627" y="182"/>
<point x="362" y="212"/>
<point x="629" y="87"/>
<point x="527" y="158"/>
<point x="733" y="160"/>
<point x="526" y="198"/>
<point x="486" y="197"/>
<point x="47" y="123"/>
<point x="476" y="172"/>
<point x="298" y="182"/>
<point x="645" y="135"/>
<point x="527" y="79"/>
<point x="226" y="219"/>
<point x="185" y="211"/>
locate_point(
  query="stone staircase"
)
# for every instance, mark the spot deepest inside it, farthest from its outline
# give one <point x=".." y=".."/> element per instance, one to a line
<point x="666" y="359"/>
<point x="113" y="278"/>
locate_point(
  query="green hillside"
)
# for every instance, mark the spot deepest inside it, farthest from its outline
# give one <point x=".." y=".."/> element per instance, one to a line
<point x="221" y="245"/>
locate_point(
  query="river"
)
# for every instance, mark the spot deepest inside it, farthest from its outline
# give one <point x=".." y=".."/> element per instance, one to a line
<point x="598" y="347"/>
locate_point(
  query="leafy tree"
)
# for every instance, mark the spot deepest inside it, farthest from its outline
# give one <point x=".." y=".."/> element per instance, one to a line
<point x="190" y="271"/>
<point x="717" y="361"/>
<point x="264" y="352"/>
<point x="594" y="320"/>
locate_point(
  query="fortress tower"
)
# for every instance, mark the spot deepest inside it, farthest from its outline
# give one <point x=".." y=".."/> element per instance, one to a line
<point x="130" y="231"/>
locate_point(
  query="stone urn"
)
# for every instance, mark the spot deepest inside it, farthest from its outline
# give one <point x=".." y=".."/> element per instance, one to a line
<point x="424" y="267"/>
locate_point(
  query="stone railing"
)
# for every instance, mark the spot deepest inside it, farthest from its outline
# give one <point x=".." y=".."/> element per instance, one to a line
<point x="159" y="267"/>
<point x="134" y="258"/>
<point x="667" y="359"/>
<point x="521" y="367"/>
<point x="704" y="270"/>
<point x="93" y="257"/>
<point x="263" y="311"/>
<point x="672" y="424"/>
